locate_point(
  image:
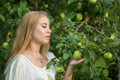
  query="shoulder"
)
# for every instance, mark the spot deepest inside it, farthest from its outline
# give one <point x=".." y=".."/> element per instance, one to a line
<point x="15" y="63"/>
<point x="16" y="69"/>
<point x="17" y="59"/>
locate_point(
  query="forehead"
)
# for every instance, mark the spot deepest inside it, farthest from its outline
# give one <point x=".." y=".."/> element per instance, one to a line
<point x="43" y="19"/>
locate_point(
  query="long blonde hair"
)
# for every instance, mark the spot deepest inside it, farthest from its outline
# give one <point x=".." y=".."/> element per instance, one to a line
<point x="24" y="31"/>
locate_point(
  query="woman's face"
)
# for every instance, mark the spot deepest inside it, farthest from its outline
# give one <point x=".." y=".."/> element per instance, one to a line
<point x="41" y="34"/>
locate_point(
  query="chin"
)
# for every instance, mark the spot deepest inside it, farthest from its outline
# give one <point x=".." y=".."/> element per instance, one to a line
<point x="46" y="42"/>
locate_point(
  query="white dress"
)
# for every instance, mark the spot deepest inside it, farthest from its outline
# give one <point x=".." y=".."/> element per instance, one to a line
<point x="21" y="68"/>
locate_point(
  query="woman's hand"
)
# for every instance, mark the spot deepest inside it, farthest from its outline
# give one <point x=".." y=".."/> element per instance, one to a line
<point x="75" y="62"/>
<point x="69" y="71"/>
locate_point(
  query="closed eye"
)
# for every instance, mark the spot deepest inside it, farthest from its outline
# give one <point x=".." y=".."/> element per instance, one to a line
<point x="44" y="26"/>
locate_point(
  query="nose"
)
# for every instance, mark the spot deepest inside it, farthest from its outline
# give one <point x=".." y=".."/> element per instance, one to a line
<point x="49" y="30"/>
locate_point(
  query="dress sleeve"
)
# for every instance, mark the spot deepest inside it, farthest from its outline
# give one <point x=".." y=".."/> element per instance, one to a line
<point x="15" y="70"/>
<point x="50" y="56"/>
<point x="51" y="71"/>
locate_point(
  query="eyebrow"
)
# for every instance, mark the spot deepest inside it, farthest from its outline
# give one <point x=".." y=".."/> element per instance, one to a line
<point x="46" y="24"/>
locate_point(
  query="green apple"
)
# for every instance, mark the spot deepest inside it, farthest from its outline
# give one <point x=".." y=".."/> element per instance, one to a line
<point x="96" y="8"/>
<point x="46" y="5"/>
<point x="79" y="6"/>
<point x="77" y="54"/>
<point x="108" y="55"/>
<point x="105" y="73"/>
<point x="79" y="17"/>
<point x="92" y="1"/>
<point x="106" y="14"/>
<point x="5" y="44"/>
<point x="79" y="44"/>
<point x="62" y="15"/>
<point x="59" y="68"/>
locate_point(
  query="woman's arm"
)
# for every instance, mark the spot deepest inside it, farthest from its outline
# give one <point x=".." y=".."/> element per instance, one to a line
<point x="69" y="71"/>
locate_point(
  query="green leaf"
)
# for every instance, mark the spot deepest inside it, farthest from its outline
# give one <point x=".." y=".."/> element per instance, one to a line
<point x="59" y="45"/>
<point x="92" y="45"/>
<point x="82" y="36"/>
<point x="65" y="22"/>
<point x="52" y="62"/>
<point x="92" y="54"/>
<point x="51" y="19"/>
<point x="20" y="12"/>
<point x="2" y="17"/>
<point x="65" y="56"/>
<point x="23" y="4"/>
<point x="71" y="1"/>
<point x="49" y="64"/>
<point x="100" y="63"/>
<point x="86" y="58"/>
<point x="9" y="22"/>
<point x="75" y="38"/>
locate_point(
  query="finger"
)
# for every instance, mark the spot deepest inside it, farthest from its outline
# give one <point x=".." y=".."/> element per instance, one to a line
<point x="81" y="60"/>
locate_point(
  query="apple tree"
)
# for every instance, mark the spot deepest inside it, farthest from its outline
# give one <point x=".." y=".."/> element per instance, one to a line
<point x="86" y="29"/>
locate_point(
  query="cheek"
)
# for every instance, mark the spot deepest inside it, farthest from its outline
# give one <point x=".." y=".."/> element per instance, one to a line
<point x="38" y="31"/>
<point x="37" y="34"/>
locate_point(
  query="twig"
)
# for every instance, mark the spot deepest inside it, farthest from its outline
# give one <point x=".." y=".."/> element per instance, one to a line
<point x="118" y="59"/>
<point x="93" y="68"/>
<point x="84" y="21"/>
<point x="119" y="69"/>
<point x="36" y="4"/>
<point x="112" y="23"/>
<point x="98" y="31"/>
<point x="116" y="55"/>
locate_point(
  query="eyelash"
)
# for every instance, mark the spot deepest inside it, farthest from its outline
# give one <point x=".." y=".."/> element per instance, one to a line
<point x="44" y="26"/>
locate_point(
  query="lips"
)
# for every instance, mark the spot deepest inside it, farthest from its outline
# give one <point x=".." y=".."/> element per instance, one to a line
<point x="48" y="37"/>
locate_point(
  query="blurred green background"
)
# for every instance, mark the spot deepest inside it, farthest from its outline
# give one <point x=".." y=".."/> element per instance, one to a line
<point x="91" y="27"/>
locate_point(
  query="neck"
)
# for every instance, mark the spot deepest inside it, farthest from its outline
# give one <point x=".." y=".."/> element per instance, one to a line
<point x="34" y="48"/>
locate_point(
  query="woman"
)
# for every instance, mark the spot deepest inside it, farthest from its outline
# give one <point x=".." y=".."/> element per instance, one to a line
<point x="30" y="55"/>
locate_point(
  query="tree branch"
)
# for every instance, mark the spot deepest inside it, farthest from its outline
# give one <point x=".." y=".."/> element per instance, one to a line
<point x="98" y="31"/>
<point x="93" y="67"/>
<point x="119" y="69"/>
<point x="118" y="59"/>
<point x="84" y="21"/>
<point x="116" y="55"/>
<point x="36" y="4"/>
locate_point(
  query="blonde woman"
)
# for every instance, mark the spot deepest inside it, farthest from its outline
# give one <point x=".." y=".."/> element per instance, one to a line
<point x="30" y="54"/>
